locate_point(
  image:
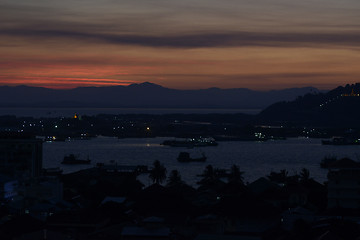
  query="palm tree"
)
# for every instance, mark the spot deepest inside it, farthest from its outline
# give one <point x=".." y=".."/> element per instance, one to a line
<point x="209" y="173"/>
<point x="279" y="177"/>
<point x="236" y="175"/>
<point x="158" y="172"/>
<point x="174" y="178"/>
<point x="283" y="173"/>
<point x="304" y="175"/>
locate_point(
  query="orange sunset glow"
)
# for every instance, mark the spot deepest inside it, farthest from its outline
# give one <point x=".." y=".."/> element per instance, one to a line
<point x="180" y="44"/>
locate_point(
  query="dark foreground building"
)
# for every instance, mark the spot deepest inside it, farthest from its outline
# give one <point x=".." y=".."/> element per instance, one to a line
<point x="20" y="156"/>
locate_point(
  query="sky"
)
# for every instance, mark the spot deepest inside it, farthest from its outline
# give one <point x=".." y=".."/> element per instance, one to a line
<point x="187" y="44"/>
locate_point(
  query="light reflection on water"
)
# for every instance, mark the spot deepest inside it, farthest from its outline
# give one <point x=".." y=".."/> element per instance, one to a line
<point x="256" y="159"/>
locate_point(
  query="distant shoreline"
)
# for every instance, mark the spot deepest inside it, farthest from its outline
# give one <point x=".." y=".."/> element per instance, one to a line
<point x="68" y="112"/>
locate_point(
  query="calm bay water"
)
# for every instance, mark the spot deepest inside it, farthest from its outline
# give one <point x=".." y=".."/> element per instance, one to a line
<point x="256" y="159"/>
<point x="68" y="112"/>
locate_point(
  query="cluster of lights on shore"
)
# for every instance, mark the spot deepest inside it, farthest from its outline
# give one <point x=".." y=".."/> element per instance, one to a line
<point x="352" y="94"/>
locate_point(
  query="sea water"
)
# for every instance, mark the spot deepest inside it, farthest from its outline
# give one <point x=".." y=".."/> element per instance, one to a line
<point x="255" y="159"/>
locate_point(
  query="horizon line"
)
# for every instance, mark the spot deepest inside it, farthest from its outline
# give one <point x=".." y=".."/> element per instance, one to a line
<point x="192" y="89"/>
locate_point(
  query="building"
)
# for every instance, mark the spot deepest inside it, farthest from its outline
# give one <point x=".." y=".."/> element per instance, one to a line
<point x="20" y="157"/>
<point x="44" y="189"/>
<point x="344" y="184"/>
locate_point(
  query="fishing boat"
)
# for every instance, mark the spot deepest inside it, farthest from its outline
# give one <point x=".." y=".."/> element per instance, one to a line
<point x="341" y="141"/>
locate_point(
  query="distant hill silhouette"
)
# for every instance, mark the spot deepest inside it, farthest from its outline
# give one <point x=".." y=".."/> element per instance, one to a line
<point x="145" y="95"/>
<point x="338" y="107"/>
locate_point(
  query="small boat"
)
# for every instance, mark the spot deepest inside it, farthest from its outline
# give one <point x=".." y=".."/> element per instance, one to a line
<point x="185" y="157"/>
<point x="191" y="142"/>
<point x="341" y="141"/>
<point x="72" y="159"/>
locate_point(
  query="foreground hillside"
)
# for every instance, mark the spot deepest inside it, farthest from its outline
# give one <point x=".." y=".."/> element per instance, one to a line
<point x="338" y="107"/>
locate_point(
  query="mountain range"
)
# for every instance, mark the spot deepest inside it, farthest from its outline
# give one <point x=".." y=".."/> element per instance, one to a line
<point x="146" y="95"/>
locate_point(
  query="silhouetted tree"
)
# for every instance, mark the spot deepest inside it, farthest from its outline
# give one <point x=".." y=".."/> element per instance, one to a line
<point x="304" y="175"/>
<point x="236" y="175"/>
<point x="211" y="178"/>
<point x="158" y="172"/>
<point x="209" y="173"/>
<point x="208" y="176"/>
<point x="284" y="173"/>
<point x="278" y="177"/>
<point x="174" y="178"/>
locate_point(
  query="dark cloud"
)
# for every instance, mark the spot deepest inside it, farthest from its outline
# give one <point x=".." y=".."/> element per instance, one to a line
<point x="230" y="39"/>
<point x="65" y="80"/>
